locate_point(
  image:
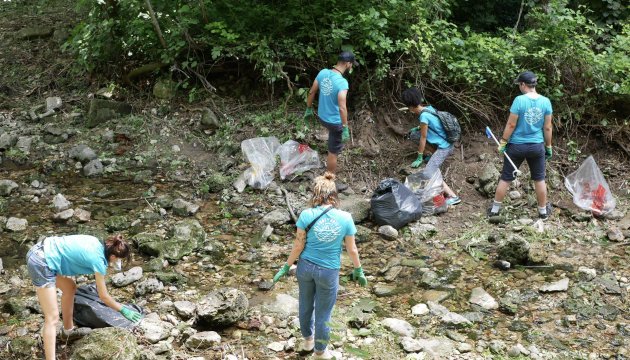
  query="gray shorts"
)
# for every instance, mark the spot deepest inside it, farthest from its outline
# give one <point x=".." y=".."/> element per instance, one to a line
<point x="437" y="159"/>
<point x="334" y="137"/>
<point x="41" y="274"/>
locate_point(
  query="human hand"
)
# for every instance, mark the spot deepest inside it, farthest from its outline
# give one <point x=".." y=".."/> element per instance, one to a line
<point x="418" y="161"/>
<point x="502" y="145"/>
<point x="308" y="113"/>
<point x="130" y="315"/>
<point x="359" y="276"/>
<point x="548" y="153"/>
<point x="282" y="272"/>
<point x="413" y="130"/>
<point x="345" y="134"/>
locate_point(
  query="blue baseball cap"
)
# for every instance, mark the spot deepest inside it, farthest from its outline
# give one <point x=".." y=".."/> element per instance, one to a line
<point x="349" y="57"/>
<point x="527" y="77"/>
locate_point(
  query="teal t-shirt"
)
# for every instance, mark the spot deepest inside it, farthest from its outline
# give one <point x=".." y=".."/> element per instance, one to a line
<point x="531" y="110"/>
<point x="330" y="84"/>
<point x="75" y="255"/>
<point x="435" y="134"/>
<point x="324" y="240"/>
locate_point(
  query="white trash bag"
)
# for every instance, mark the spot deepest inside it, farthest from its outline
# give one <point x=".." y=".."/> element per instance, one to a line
<point x="589" y="188"/>
<point x="261" y="154"/>
<point x="429" y="190"/>
<point x="296" y="158"/>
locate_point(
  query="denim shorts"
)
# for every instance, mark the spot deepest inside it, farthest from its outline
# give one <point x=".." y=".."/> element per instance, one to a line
<point x="41" y="274"/>
<point x="533" y="153"/>
<point x="334" y="137"/>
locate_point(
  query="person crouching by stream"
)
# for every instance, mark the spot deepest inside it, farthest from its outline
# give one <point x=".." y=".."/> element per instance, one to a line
<point x="51" y="261"/>
<point x="321" y="229"/>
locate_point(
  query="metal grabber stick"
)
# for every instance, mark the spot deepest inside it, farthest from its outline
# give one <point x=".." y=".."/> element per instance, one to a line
<point x="489" y="134"/>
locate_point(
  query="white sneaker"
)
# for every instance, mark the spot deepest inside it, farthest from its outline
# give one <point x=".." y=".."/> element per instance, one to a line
<point x="307" y="346"/>
<point x="325" y="355"/>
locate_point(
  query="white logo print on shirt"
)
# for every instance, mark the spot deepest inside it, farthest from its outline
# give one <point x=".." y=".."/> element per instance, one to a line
<point x="533" y="115"/>
<point x="327" y="230"/>
<point x="327" y="86"/>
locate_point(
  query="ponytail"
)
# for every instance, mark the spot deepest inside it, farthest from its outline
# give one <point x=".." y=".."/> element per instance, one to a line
<point x="117" y="246"/>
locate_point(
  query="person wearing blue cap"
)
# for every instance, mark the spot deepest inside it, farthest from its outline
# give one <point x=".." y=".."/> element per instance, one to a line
<point x="527" y="136"/>
<point x="331" y="107"/>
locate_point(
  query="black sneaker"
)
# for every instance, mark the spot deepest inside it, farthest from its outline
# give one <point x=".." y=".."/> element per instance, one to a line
<point x="547" y="214"/>
<point x="491" y="213"/>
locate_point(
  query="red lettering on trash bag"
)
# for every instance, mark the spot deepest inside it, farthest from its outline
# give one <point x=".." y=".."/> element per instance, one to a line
<point x="303" y="147"/>
<point x="439" y="200"/>
<point x="599" y="198"/>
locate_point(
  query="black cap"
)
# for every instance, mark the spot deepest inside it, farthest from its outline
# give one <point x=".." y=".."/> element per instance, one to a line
<point x="527" y="77"/>
<point x="348" y="56"/>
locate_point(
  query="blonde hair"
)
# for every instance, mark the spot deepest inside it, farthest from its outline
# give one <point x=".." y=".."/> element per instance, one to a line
<point x="325" y="190"/>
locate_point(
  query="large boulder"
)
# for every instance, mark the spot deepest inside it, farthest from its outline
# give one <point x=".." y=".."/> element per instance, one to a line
<point x="222" y="307"/>
<point x="103" y="110"/>
<point x="488" y="180"/>
<point x="357" y="206"/>
<point x="184" y="238"/>
<point x="7" y="187"/>
<point x="107" y="344"/>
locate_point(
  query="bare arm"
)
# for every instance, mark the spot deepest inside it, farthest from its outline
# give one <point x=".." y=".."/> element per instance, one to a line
<point x="298" y="246"/>
<point x="510" y="126"/>
<point x="424" y="130"/>
<point x="343" y="110"/>
<point x="103" y="294"/>
<point x="548" y="130"/>
<point x="353" y="252"/>
<point x="311" y="94"/>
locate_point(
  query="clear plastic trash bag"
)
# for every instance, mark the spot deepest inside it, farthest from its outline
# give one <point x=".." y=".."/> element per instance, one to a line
<point x="261" y="154"/>
<point x="428" y="188"/>
<point x="297" y="158"/>
<point x="589" y="188"/>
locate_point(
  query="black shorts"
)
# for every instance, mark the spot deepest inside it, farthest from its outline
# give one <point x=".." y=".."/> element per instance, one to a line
<point x="334" y="137"/>
<point x="533" y="153"/>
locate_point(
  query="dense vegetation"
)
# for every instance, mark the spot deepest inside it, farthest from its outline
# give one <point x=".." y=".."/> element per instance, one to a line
<point x="464" y="53"/>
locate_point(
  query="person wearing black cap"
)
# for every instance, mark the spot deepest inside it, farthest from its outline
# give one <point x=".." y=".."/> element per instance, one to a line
<point x="527" y="136"/>
<point x="331" y="109"/>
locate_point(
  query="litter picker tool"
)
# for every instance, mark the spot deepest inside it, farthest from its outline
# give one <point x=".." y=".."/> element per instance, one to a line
<point x="489" y="134"/>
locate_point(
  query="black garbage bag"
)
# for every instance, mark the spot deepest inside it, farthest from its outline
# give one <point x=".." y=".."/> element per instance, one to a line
<point x="90" y="311"/>
<point x="394" y="204"/>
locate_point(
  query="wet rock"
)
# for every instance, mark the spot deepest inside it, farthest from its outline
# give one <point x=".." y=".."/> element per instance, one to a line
<point x="284" y="304"/>
<point x="480" y="297"/>
<point x="357" y="206"/>
<point x="420" y="309"/>
<point x="107" y="341"/>
<point x="82" y="153"/>
<point x="610" y="284"/>
<point x="185" y="309"/>
<point x="24" y="144"/>
<point x="82" y="215"/>
<point x="117" y="223"/>
<point x="502" y="265"/>
<point x="59" y="202"/>
<point x="454" y="319"/>
<point x="16" y="224"/>
<point x="586" y="274"/>
<point x="557" y="286"/>
<point x="488" y="180"/>
<point x="615" y="234"/>
<point x="128" y="277"/>
<point x="165" y="89"/>
<point x="382" y="290"/>
<point x="170" y="277"/>
<point x="203" y="340"/>
<point x="63" y="216"/>
<point x="182" y="207"/>
<point x="514" y="250"/>
<point x="209" y="120"/>
<point x="424" y="231"/>
<point x="388" y="232"/>
<point x="398" y="326"/>
<point x="149" y="286"/>
<point x="103" y="110"/>
<point x="222" y="307"/>
<point x="277" y="217"/>
<point x="93" y="168"/>
<point x="435" y="296"/>
<point x="7" y="187"/>
<point x="154" y="329"/>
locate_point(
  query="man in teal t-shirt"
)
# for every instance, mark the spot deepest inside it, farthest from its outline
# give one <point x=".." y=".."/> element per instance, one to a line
<point x="527" y="136"/>
<point x="331" y="109"/>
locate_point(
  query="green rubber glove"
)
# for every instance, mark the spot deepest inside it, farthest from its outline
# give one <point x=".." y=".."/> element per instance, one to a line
<point x="502" y="146"/>
<point x="130" y="315"/>
<point x="345" y="134"/>
<point x="282" y="272"/>
<point x="548" y="153"/>
<point x="418" y="161"/>
<point x="413" y="130"/>
<point x="308" y="113"/>
<point x="358" y="275"/>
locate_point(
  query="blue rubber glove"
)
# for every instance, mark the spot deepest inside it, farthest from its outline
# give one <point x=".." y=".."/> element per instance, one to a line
<point x="345" y="134"/>
<point x="418" y="161"/>
<point x="502" y="145"/>
<point x="130" y="315"/>
<point x="308" y="113"/>
<point x="548" y="153"/>
<point x="359" y="276"/>
<point x="282" y="272"/>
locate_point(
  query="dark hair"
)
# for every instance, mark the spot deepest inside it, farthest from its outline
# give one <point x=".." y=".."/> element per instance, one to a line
<point x="117" y="246"/>
<point x="412" y="97"/>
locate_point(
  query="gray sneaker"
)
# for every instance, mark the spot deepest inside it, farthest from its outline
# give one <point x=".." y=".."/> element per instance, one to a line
<point x="547" y="214"/>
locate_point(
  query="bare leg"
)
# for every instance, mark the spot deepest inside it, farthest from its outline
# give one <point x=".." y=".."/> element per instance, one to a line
<point x="68" y="289"/>
<point x="448" y="190"/>
<point x="48" y="300"/>
<point x="541" y="193"/>
<point x="331" y="162"/>
<point x="502" y="189"/>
